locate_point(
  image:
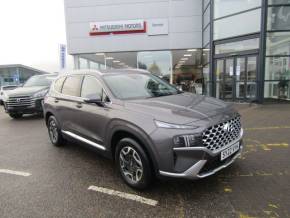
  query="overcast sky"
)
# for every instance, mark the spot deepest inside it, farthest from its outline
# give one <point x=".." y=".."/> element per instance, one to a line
<point x="30" y="33"/>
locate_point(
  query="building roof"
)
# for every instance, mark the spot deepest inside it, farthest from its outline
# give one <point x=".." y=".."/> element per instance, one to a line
<point x="22" y="66"/>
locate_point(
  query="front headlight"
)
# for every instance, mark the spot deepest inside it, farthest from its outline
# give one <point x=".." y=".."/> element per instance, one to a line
<point x="5" y="96"/>
<point x="161" y="124"/>
<point x="186" y="141"/>
<point x="40" y="94"/>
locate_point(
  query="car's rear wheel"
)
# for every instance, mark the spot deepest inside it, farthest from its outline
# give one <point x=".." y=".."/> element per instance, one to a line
<point x="133" y="164"/>
<point x="54" y="132"/>
<point x="15" y="115"/>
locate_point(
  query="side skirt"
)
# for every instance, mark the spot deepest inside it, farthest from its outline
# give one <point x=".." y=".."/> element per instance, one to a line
<point x="101" y="147"/>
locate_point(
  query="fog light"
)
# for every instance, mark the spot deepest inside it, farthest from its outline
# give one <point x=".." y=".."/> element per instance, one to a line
<point x="185" y="141"/>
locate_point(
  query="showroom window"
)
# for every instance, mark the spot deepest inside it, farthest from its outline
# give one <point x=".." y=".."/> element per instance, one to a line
<point x="225" y="7"/>
<point x="277" y="68"/>
<point x="278" y="2"/>
<point x="187" y="70"/>
<point x="180" y="67"/>
<point x="277" y="63"/>
<point x="278" y="43"/>
<point x="238" y="24"/>
<point x="83" y="63"/>
<point x="279" y="18"/>
<point x="158" y="63"/>
<point x="232" y="47"/>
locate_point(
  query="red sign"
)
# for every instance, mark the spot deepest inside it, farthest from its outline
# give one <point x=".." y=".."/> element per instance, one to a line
<point x="117" y="27"/>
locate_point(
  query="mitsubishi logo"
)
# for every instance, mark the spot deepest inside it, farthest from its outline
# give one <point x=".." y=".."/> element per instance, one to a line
<point x="227" y="127"/>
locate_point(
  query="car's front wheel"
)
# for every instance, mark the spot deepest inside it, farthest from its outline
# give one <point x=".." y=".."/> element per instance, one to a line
<point x="133" y="164"/>
<point x="54" y="132"/>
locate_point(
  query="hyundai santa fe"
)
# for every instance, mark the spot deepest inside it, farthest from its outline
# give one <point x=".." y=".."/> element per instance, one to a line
<point x="147" y="126"/>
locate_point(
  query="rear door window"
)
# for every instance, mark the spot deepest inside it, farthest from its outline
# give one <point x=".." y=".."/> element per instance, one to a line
<point x="58" y="84"/>
<point x="72" y="85"/>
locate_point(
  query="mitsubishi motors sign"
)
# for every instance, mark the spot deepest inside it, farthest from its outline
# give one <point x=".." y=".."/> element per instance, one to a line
<point x="117" y="27"/>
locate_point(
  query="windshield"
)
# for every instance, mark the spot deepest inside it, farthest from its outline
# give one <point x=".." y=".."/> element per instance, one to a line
<point x="136" y="86"/>
<point x="39" y="81"/>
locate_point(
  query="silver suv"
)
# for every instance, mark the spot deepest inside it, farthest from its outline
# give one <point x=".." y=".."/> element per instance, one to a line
<point x="147" y="126"/>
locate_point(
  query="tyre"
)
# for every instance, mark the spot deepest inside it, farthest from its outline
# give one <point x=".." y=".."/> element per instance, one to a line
<point x="133" y="164"/>
<point x="54" y="132"/>
<point x="15" y="115"/>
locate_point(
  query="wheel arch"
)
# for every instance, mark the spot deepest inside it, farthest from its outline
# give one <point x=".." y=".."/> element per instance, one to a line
<point x="122" y="129"/>
<point x="47" y="115"/>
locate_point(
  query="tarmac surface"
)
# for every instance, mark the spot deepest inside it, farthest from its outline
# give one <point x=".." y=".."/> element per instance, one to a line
<point x="40" y="180"/>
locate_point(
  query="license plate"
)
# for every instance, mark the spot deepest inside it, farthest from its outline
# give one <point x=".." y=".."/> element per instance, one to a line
<point x="230" y="150"/>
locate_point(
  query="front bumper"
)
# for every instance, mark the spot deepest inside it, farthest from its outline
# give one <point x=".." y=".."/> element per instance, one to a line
<point x="209" y="165"/>
<point x="35" y="107"/>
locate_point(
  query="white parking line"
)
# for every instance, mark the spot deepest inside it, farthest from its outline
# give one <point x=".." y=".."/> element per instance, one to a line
<point x="12" y="172"/>
<point x="124" y="195"/>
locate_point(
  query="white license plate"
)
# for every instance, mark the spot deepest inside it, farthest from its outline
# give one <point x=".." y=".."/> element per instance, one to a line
<point x="230" y="150"/>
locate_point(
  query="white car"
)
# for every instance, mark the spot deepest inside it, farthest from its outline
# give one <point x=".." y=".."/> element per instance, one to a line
<point x="5" y="88"/>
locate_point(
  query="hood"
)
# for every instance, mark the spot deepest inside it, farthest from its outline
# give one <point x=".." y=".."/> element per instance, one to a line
<point x="25" y="91"/>
<point x="183" y="108"/>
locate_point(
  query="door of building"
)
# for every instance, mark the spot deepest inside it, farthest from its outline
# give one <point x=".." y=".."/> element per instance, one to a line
<point x="236" y="78"/>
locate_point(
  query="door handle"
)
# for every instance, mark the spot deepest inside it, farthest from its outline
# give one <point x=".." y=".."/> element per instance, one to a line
<point x="56" y="100"/>
<point x="79" y="105"/>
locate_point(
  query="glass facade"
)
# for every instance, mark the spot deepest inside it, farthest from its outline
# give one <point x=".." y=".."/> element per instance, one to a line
<point x="182" y="68"/>
<point x="225" y="7"/>
<point x="278" y="2"/>
<point x="237" y="25"/>
<point x="245" y="53"/>
<point x="278" y="18"/>
<point x="232" y="47"/>
<point x="157" y="62"/>
<point x="251" y="57"/>
<point x="278" y="43"/>
<point x="15" y="75"/>
<point x="277" y="62"/>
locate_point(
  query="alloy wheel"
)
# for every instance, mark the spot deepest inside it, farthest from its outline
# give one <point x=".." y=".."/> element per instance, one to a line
<point x="53" y="131"/>
<point x="131" y="164"/>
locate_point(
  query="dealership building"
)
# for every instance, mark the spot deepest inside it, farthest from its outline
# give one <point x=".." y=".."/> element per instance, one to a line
<point x="17" y="74"/>
<point x="236" y="50"/>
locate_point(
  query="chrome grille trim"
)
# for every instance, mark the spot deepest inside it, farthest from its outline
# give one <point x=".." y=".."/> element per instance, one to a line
<point x="20" y="101"/>
<point x="220" y="135"/>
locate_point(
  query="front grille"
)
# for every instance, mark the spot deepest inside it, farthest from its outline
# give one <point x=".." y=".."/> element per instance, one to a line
<point x="220" y="135"/>
<point x="20" y="101"/>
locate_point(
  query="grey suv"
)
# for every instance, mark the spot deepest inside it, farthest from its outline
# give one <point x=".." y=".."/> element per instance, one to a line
<point x="148" y="127"/>
<point x="28" y="99"/>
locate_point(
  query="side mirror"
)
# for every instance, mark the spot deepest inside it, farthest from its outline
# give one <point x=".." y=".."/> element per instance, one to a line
<point x="97" y="101"/>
